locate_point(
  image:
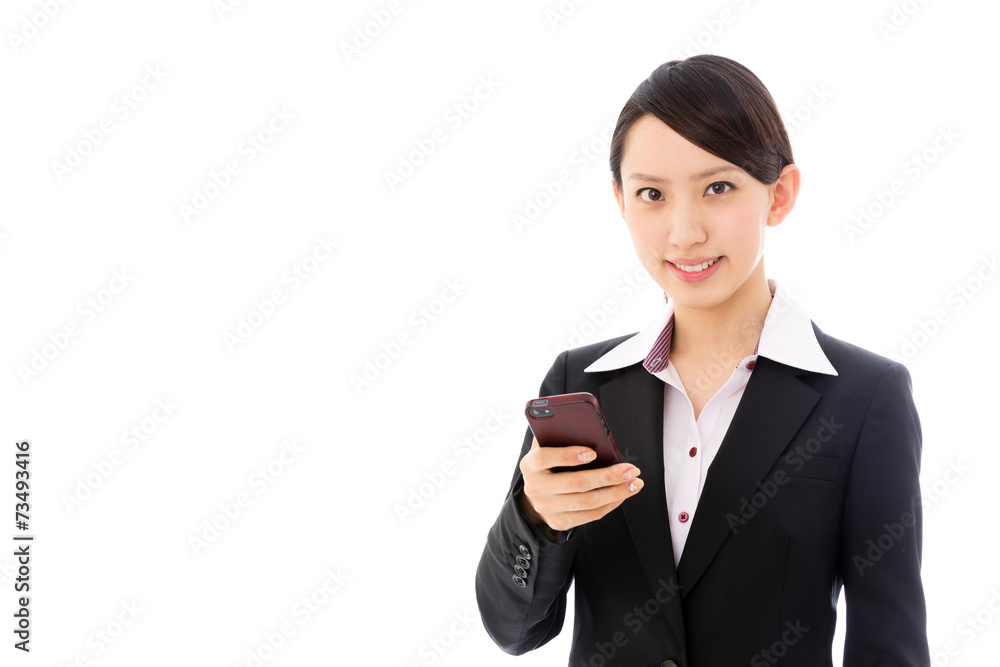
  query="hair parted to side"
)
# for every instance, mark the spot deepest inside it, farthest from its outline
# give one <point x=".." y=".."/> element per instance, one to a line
<point x="718" y="105"/>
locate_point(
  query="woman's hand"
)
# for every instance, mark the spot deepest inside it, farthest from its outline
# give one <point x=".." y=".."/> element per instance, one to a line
<point x="564" y="500"/>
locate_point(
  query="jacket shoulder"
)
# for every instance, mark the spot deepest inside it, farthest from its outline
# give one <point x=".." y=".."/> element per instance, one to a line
<point x="854" y="361"/>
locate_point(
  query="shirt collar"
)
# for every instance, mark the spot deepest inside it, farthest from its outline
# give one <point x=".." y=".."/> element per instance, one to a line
<point x="786" y="337"/>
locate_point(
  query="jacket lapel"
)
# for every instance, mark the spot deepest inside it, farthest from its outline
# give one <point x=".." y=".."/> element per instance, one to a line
<point x="632" y="404"/>
<point x="774" y="406"/>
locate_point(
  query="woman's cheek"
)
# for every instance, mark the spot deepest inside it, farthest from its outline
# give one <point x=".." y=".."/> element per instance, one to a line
<point x="646" y="243"/>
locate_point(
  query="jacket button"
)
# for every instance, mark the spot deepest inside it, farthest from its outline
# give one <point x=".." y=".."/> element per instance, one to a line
<point x="523" y="562"/>
<point x="525" y="552"/>
<point x="521" y="572"/>
<point x="668" y="663"/>
<point x="520" y="581"/>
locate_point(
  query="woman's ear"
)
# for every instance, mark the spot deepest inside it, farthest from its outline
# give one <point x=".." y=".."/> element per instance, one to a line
<point x="784" y="192"/>
<point x="618" y="197"/>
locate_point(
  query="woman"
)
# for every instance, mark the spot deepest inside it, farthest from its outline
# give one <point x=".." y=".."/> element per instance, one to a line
<point x="778" y="464"/>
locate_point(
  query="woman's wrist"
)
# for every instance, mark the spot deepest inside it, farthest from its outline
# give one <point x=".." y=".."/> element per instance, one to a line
<point x="526" y="509"/>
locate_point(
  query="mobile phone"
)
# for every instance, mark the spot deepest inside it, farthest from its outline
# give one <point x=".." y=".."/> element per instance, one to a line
<point x="572" y="419"/>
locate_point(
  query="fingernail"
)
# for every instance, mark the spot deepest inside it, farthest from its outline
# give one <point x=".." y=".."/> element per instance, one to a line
<point x="586" y="456"/>
<point x="635" y="486"/>
<point x="630" y="473"/>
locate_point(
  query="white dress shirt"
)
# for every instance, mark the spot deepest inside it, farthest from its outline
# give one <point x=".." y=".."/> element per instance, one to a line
<point x="689" y="444"/>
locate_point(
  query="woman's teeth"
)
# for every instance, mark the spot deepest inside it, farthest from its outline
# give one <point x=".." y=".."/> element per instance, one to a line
<point x="696" y="267"/>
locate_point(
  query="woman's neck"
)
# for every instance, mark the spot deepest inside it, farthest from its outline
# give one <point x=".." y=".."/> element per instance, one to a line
<point x="731" y="328"/>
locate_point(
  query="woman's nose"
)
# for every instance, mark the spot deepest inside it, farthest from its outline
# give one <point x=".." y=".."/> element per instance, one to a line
<point x="685" y="228"/>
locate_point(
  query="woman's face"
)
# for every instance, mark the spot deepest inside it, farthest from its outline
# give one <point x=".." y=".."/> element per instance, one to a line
<point x="684" y="207"/>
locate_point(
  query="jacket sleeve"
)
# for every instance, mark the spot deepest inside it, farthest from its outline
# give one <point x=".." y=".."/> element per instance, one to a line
<point x="880" y="561"/>
<point x="523" y="577"/>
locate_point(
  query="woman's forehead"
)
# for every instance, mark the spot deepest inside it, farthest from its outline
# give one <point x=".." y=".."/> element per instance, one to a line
<point x="655" y="151"/>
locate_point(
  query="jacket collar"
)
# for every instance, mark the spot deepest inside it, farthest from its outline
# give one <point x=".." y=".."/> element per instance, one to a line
<point x="786" y="337"/>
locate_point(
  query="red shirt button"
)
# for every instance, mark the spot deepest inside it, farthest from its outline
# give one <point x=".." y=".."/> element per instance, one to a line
<point x="750" y="365"/>
<point x="694" y="450"/>
<point x="683" y="516"/>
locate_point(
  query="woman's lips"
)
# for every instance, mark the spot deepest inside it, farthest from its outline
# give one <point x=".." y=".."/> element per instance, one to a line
<point x="694" y="276"/>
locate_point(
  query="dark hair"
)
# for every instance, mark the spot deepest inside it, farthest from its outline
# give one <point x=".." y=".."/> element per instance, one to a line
<point x="718" y="105"/>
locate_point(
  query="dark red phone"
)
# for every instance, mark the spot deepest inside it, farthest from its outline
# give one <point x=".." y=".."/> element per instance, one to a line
<point x="572" y="419"/>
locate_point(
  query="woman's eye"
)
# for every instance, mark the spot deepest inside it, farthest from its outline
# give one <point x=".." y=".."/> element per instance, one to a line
<point x="719" y="188"/>
<point x="650" y="194"/>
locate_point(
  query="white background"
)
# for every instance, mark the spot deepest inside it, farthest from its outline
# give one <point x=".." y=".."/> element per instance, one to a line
<point x="860" y="102"/>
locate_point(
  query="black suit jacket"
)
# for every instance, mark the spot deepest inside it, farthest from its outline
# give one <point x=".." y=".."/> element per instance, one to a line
<point x="814" y="488"/>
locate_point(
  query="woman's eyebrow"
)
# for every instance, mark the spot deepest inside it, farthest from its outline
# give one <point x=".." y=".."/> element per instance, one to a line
<point x="697" y="177"/>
